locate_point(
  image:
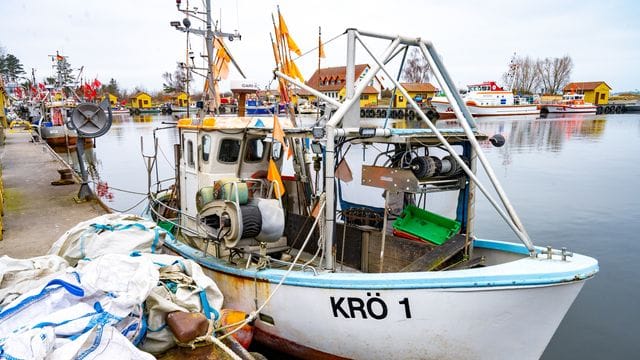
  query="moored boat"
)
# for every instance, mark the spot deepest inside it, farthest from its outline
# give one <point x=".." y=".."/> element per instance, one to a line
<point x="570" y="103"/>
<point x="486" y="99"/>
<point x="324" y="277"/>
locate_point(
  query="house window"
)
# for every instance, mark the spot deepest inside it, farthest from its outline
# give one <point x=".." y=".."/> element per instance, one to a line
<point x="602" y="96"/>
<point x="206" y="147"/>
<point x="401" y="98"/>
<point x="146" y="102"/>
<point x="229" y="151"/>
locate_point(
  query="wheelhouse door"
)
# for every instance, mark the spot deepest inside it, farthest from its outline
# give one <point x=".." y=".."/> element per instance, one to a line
<point x="189" y="185"/>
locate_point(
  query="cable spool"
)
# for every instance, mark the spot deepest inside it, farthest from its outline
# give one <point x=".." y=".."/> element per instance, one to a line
<point x="224" y="189"/>
<point x="251" y="221"/>
<point x="423" y="166"/>
<point x="450" y="166"/>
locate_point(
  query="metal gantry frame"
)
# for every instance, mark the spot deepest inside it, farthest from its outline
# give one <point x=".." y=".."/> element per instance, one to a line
<point x="463" y="116"/>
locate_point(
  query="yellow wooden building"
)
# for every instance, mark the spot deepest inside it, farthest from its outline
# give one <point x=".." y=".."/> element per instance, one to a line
<point x="141" y="100"/>
<point x="113" y="100"/>
<point x="181" y="99"/>
<point x="420" y="92"/>
<point x="595" y="92"/>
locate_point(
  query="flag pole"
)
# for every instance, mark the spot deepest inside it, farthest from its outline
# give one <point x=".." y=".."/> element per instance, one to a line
<point x="319" y="57"/>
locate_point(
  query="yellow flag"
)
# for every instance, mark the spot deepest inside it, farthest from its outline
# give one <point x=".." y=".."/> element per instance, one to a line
<point x="273" y="175"/>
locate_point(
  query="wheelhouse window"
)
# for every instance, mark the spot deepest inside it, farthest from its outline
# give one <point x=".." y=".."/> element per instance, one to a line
<point x="256" y="148"/>
<point x="229" y="151"/>
<point x="190" y="160"/>
<point x="206" y="147"/>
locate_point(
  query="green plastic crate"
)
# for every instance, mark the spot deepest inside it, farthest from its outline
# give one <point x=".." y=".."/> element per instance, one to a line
<point x="426" y="225"/>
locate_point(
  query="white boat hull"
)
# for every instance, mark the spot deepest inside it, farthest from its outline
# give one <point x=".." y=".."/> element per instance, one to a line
<point x="444" y="109"/>
<point x="485" y="313"/>
<point x="571" y="109"/>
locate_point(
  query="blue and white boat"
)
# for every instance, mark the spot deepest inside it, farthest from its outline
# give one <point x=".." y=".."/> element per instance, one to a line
<point x="324" y="277"/>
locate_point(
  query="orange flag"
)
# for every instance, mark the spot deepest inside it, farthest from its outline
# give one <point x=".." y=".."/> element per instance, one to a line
<point x="273" y="175"/>
<point x="278" y="133"/>
<point x="295" y="72"/>
<point x="320" y="45"/>
<point x="285" y="33"/>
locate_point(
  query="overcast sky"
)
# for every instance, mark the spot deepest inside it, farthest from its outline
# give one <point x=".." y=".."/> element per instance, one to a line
<point x="131" y="40"/>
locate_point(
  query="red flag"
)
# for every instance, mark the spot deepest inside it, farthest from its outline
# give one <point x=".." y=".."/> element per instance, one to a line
<point x="86" y="89"/>
<point x="34" y="90"/>
<point x="96" y="83"/>
<point x="59" y="57"/>
<point x="41" y="86"/>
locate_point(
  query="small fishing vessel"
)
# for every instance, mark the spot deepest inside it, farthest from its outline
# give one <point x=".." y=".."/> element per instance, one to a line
<point x="52" y="126"/>
<point x="327" y="277"/>
<point x="487" y="99"/>
<point x="307" y="108"/>
<point x="259" y="107"/>
<point x="570" y="103"/>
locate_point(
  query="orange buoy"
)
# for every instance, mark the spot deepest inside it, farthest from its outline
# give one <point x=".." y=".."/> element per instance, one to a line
<point x="245" y="334"/>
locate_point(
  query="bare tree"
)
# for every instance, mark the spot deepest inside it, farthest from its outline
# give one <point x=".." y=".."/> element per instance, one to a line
<point x="554" y="73"/>
<point x="522" y="76"/>
<point x="416" y="68"/>
<point x="174" y="82"/>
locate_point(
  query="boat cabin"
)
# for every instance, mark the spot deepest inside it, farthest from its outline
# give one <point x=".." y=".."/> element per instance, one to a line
<point x="485" y="86"/>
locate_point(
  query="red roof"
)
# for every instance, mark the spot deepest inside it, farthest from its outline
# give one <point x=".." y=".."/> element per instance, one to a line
<point x="588" y="85"/>
<point x="419" y="87"/>
<point x="333" y="77"/>
<point x="370" y="90"/>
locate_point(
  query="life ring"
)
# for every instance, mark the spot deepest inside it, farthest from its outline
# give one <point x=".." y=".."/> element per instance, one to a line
<point x="371" y="113"/>
<point x="362" y="113"/>
<point x="607" y="110"/>
<point x="394" y="113"/>
<point x="599" y="110"/>
<point x="411" y="115"/>
<point x="400" y="114"/>
<point x="493" y="87"/>
<point x="618" y="109"/>
<point x="381" y="113"/>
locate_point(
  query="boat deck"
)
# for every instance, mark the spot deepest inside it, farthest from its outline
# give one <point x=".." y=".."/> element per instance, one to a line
<point x="36" y="213"/>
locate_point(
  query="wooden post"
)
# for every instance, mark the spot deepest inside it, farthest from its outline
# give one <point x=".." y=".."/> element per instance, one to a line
<point x="242" y="103"/>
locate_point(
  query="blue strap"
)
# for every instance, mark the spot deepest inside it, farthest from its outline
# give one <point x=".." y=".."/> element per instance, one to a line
<point x="206" y="308"/>
<point x="154" y="244"/>
<point x="72" y="289"/>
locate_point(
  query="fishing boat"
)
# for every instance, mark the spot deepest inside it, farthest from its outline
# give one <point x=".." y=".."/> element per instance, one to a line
<point x="307" y="108"/>
<point x="52" y="126"/>
<point x="487" y="99"/>
<point x="322" y="276"/>
<point x="259" y="107"/>
<point x="570" y="104"/>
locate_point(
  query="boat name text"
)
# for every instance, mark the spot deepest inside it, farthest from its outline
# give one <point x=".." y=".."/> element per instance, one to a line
<point x="368" y="308"/>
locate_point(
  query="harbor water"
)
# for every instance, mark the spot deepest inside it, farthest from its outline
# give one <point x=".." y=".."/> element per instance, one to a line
<point x="573" y="181"/>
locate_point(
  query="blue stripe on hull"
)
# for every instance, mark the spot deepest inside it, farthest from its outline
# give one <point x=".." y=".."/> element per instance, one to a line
<point x="389" y="281"/>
